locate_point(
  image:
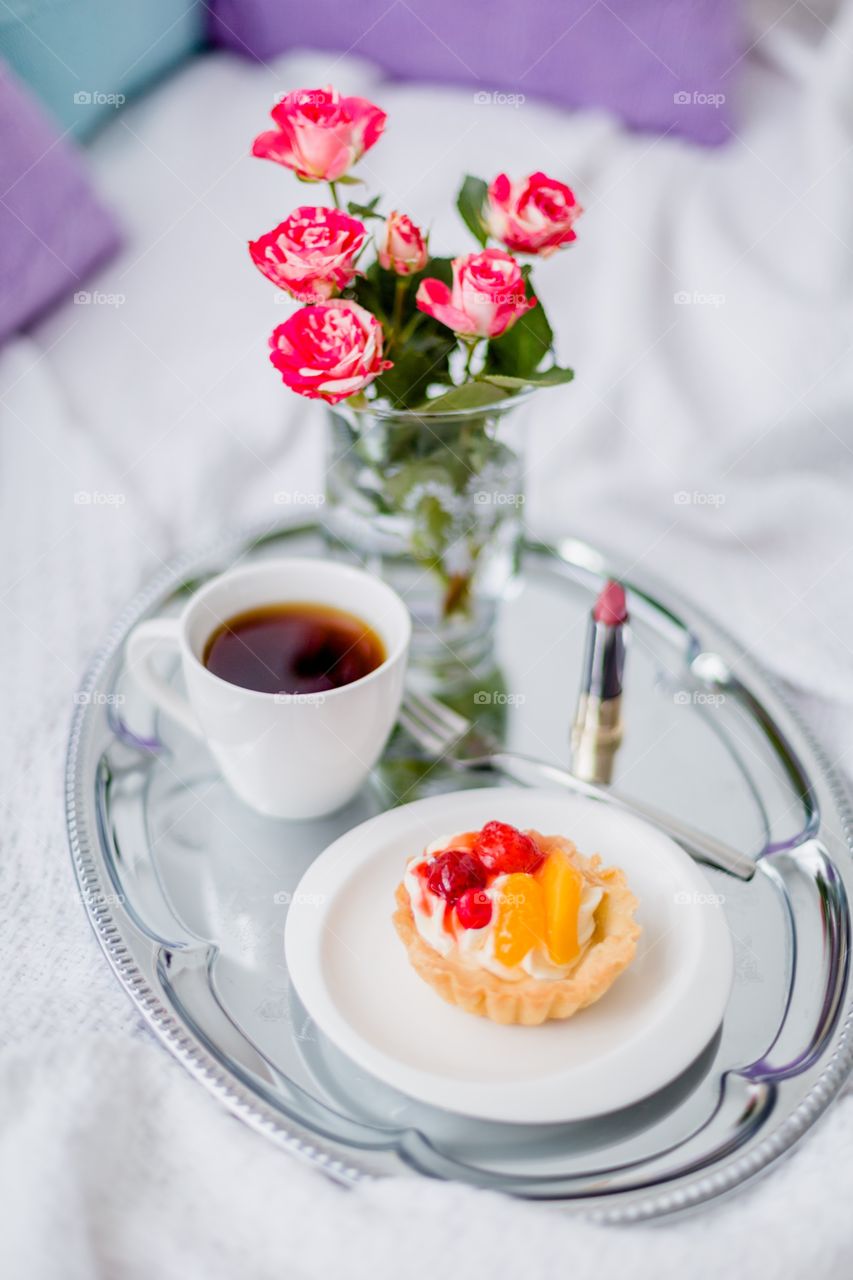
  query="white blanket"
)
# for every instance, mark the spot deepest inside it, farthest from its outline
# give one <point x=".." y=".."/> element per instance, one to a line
<point x="155" y="402"/>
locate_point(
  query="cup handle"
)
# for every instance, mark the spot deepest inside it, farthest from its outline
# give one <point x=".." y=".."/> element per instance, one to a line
<point x="157" y="635"/>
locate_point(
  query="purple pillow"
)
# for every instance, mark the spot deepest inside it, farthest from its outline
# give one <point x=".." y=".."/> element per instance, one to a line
<point x="663" y="65"/>
<point x="53" y="230"/>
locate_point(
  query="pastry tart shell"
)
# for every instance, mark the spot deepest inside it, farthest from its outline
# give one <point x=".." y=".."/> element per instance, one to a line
<point x="531" y="1001"/>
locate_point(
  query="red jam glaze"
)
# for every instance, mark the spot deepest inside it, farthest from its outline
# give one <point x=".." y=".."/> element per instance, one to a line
<point x="421" y="871"/>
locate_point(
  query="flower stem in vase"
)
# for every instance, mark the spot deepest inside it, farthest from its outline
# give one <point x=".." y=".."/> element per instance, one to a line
<point x="397" y="316"/>
<point x="471" y="347"/>
<point x="457" y="595"/>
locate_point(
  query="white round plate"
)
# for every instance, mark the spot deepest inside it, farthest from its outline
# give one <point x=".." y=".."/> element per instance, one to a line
<point x="353" y="975"/>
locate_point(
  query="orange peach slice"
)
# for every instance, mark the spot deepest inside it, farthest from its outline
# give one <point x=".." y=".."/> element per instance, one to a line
<point x="562" y="888"/>
<point x="520" y="921"/>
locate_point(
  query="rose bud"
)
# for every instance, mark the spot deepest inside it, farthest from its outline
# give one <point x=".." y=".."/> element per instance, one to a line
<point x="402" y="248"/>
<point x="535" y="215"/>
<point x="488" y="295"/>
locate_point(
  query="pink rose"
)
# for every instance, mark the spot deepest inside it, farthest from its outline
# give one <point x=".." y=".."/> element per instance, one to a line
<point x="312" y="253"/>
<point x="488" y="295"/>
<point x="319" y="134"/>
<point x="329" y="351"/>
<point x="535" y="215"/>
<point x="402" y="248"/>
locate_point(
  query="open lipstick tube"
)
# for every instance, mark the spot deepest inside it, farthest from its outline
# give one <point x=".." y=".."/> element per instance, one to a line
<point x="597" y="728"/>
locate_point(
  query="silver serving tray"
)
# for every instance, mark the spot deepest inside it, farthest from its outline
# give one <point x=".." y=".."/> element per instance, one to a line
<point x="187" y="891"/>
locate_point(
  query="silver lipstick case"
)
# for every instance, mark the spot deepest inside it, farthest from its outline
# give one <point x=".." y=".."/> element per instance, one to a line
<point x="597" y="730"/>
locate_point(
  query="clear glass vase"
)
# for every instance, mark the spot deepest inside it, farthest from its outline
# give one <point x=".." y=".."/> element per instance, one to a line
<point x="432" y="503"/>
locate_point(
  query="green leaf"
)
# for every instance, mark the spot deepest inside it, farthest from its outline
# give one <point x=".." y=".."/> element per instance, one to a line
<point x="469" y="202"/>
<point x="367" y="293"/>
<point x="425" y="492"/>
<point x="431" y="530"/>
<point x="520" y="351"/>
<point x="349" y="181"/>
<point x="547" y="378"/>
<point x="421" y="359"/>
<point x="417" y="475"/>
<point x="470" y="395"/>
<point x="483" y="450"/>
<point x="365" y="210"/>
<point x="438" y="269"/>
<point x="382" y="286"/>
<point x="431" y="337"/>
<point x="415" y="368"/>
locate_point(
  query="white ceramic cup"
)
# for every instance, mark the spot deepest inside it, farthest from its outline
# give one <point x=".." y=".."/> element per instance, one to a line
<point x="286" y="755"/>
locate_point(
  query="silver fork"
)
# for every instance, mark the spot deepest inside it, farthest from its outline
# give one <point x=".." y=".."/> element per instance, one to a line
<point x="444" y="733"/>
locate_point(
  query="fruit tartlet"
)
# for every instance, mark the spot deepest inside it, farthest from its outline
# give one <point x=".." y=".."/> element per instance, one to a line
<point x="515" y="926"/>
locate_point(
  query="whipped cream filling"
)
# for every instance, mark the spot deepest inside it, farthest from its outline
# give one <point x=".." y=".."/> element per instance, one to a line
<point x="477" y="946"/>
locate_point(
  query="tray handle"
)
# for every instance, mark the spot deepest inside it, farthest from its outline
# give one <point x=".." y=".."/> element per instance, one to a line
<point x="809" y="882"/>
